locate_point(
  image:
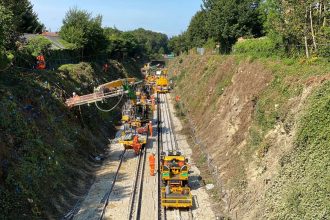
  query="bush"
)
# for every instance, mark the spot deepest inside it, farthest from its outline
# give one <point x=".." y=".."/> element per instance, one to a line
<point x="324" y="43"/>
<point x="210" y="44"/>
<point x="258" y="47"/>
<point x="5" y="60"/>
<point x="38" y="45"/>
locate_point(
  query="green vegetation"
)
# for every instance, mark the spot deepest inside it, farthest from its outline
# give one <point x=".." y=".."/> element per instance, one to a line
<point x="38" y="45"/>
<point x="44" y="146"/>
<point x="81" y="34"/>
<point x="224" y="21"/>
<point x="138" y="43"/>
<point x="271" y="106"/>
<point x="86" y="33"/>
<point x="67" y="45"/>
<point x="260" y="47"/>
<point x="293" y="28"/>
<point x="25" y="20"/>
<point x="229" y="20"/>
<point x="197" y="32"/>
<point x="153" y="43"/>
<point x="298" y="27"/>
<point x="6" y="28"/>
<point x="302" y="190"/>
<point x="83" y="30"/>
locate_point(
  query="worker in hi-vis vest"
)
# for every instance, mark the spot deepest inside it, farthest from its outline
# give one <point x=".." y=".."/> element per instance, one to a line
<point x="152" y="164"/>
<point x="41" y="62"/>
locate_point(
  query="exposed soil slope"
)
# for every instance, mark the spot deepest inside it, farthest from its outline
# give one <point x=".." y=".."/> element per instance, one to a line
<point x="250" y="115"/>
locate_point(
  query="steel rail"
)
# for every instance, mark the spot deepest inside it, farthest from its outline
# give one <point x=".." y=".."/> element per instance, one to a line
<point x="107" y="195"/>
<point x="136" y="198"/>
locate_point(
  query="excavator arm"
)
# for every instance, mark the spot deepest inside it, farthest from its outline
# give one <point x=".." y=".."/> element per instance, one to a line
<point x="108" y="90"/>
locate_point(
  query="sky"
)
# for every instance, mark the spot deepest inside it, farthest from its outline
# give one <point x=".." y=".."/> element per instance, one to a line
<point x="171" y="17"/>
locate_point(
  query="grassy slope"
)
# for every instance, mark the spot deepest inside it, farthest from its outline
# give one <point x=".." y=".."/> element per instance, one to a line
<point x="301" y="189"/>
<point x="44" y="146"/>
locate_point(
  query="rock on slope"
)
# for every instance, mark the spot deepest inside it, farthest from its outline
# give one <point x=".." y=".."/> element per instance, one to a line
<point x="250" y="115"/>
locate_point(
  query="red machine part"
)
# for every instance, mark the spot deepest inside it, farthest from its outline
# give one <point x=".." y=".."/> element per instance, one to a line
<point x="142" y="130"/>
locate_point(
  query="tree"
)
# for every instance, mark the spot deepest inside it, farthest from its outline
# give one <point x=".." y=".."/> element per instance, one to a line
<point x="298" y="25"/>
<point x="179" y="44"/>
<point x="197" y="31"/>
<point x="6" y="27"/>
<point x="121" y="44"/>
<point x="83" y="30"/>
<point x="227" y="20"/>
<point x="152" y="42"/>
<point x="108" y="31"/>
<point x="6" y="33"/>
<point x="25" y="19"/>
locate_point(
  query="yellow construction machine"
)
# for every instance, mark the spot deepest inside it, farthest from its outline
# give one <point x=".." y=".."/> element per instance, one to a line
<point x="162" y="85"/>
<point x="111" y="89"/>
<point x="175" y="191"/>
<point x="132" y="140"/>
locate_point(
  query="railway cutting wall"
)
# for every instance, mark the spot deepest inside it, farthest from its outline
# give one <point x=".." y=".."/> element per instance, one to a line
<point x="258" y="130"/>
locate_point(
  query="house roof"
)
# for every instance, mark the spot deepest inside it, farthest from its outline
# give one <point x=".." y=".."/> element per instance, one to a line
<point x="52" y="36"/>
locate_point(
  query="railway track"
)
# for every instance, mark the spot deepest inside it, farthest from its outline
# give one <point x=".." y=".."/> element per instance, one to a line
<point x="106" y="198"/>
<point x="161" y="214"/>
<point x="134" y="208"/>
<point x="136" y="198"/>
<point x="167" y="142"/>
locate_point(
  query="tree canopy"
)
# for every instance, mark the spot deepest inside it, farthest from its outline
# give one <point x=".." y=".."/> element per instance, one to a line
<point x="299" y="25"/>
<point x="83" y="30"/>
<point x="6" y="27"/>
<point x="296" y="27"/>
<point x="178" y="44"/>
<point x="153" y="42"/>
<point x="136" y="43"/>
<point x="25" y="20"/>
<point x="197" y="33"/>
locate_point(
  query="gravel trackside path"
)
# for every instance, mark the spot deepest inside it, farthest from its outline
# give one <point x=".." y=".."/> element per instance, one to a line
<point x="91" y="207"/>
<point x="202" y="204"/>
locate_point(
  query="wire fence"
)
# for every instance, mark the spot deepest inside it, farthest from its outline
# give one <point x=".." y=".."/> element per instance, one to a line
<point x="213" y="169"/>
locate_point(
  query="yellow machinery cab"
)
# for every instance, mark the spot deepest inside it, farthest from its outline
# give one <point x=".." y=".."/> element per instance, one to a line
<point x="150" y="80"/>
<point x="162" y="85"/>
<point x="174" y="167"/>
